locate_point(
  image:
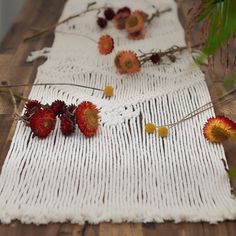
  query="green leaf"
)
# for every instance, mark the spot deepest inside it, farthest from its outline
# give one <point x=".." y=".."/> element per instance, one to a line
<point x="232" y="172"/>
<point x="222" y="17"/>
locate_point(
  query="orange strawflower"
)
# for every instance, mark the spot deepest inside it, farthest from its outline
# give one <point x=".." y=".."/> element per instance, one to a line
<point x="105" y="44"/>
<point x="142" y="13"/>
<point x="219" y="129"/>
<point x="134" y="23"/>
<point x="127" y="62"/>
<point x="136" y="36"/>
<point x="117" y="62"/>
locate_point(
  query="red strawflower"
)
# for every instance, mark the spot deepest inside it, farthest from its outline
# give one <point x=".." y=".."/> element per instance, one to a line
<point x="43" y="122"/>
<point x="109" y="13"/>
<point x="30" y="108"/>
<point x="67" y="125"/>
<point x="101" y="22"/>
<point x="218" y="129"/>
<point x="124" y="9"/>
<point x="121" y="17"/>
<point x="32" y="104"/>
<point x="87" y="118"/>
<point x="59" y="107"/>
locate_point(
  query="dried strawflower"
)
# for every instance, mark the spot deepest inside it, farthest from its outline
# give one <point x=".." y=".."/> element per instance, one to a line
<point x="108" y="91"/>
<point x="124" y="9"/>
<point x="129" y="62"/>
<point x="87" y="118"/>
<point x="30" y="108"/>
<point x="134" y="23"/>
<point x="101" y="22"/>
<point x="105" y="44"/>
<point x="121" y="17"/>
<point x="142" y="13"/>
<point x="109" y="13"/>
<point x="32" y="104"/>
<point x="117" y="61"/>
<point x="150" y="128"/>
<point x="162" y="131"/>
<point x="67" y="125"/>
<point x="43" y="122"/>
<point x="59" y="107"/>
<point x="71" y="109"/>
<point x="219" y="129"/>
<point x="155" y="58"/>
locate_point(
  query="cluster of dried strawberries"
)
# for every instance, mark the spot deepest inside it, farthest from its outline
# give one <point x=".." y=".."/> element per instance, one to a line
<point x="42" y="118"/>
<point x="124" y="19"/>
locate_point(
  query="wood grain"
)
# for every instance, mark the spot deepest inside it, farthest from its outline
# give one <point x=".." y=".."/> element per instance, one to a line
<point x="13" y="52"/>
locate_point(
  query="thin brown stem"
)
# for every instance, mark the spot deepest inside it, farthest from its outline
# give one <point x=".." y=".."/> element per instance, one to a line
<point x="48" y="84"/>
<point x="202" y="109"/>
<point x="157" y="14"/>
<point x="52" y="27"/>
<point x="145" y="57"/>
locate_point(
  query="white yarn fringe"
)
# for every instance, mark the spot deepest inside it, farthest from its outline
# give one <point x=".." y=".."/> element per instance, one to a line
<point x="122" y="174"/>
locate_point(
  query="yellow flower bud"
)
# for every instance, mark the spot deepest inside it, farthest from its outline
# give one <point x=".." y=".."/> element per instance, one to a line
<point x="150" y="128"/>
<point x="108" y="91"/>
<point x="162" y="131"/>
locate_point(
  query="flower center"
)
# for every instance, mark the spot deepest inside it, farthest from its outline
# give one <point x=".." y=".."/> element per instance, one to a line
<point x="47" y="124"/>
<point x="91" y="118"/>
<point x="220" y="134"/>
<point x="132" y="21"/>
<point x="128" y="63"/>
<point x="106" y="45"/>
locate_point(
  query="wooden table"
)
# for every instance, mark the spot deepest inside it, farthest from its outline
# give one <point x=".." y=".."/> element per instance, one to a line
<point x="14" y="69"/>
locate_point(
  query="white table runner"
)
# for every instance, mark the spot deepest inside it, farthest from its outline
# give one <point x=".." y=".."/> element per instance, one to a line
<point x="122" y="174"/>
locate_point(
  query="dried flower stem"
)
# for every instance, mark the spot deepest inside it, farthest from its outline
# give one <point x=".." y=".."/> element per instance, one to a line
<point x="218" y="101"/>
<point x="52" y="27"/>
<point x="48" y="84"/>
<point x="157" y="14"/>
<point x="145" y="57"/>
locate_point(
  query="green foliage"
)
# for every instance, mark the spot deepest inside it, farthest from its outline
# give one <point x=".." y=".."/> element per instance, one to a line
<point x="222" y="23"/>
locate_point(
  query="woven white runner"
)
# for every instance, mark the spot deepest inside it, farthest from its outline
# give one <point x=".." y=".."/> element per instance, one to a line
<point x="122" y="174"/>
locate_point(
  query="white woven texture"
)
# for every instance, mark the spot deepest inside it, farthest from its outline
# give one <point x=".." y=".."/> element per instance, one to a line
<point x="122" y="174"/>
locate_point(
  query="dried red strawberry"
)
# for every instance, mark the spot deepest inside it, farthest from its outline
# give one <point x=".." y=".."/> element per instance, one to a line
<point x="59" y="107"/>
<point x="67" y="125"/>
<point x="43" y="122"/>
<point x="87" y="118"/>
